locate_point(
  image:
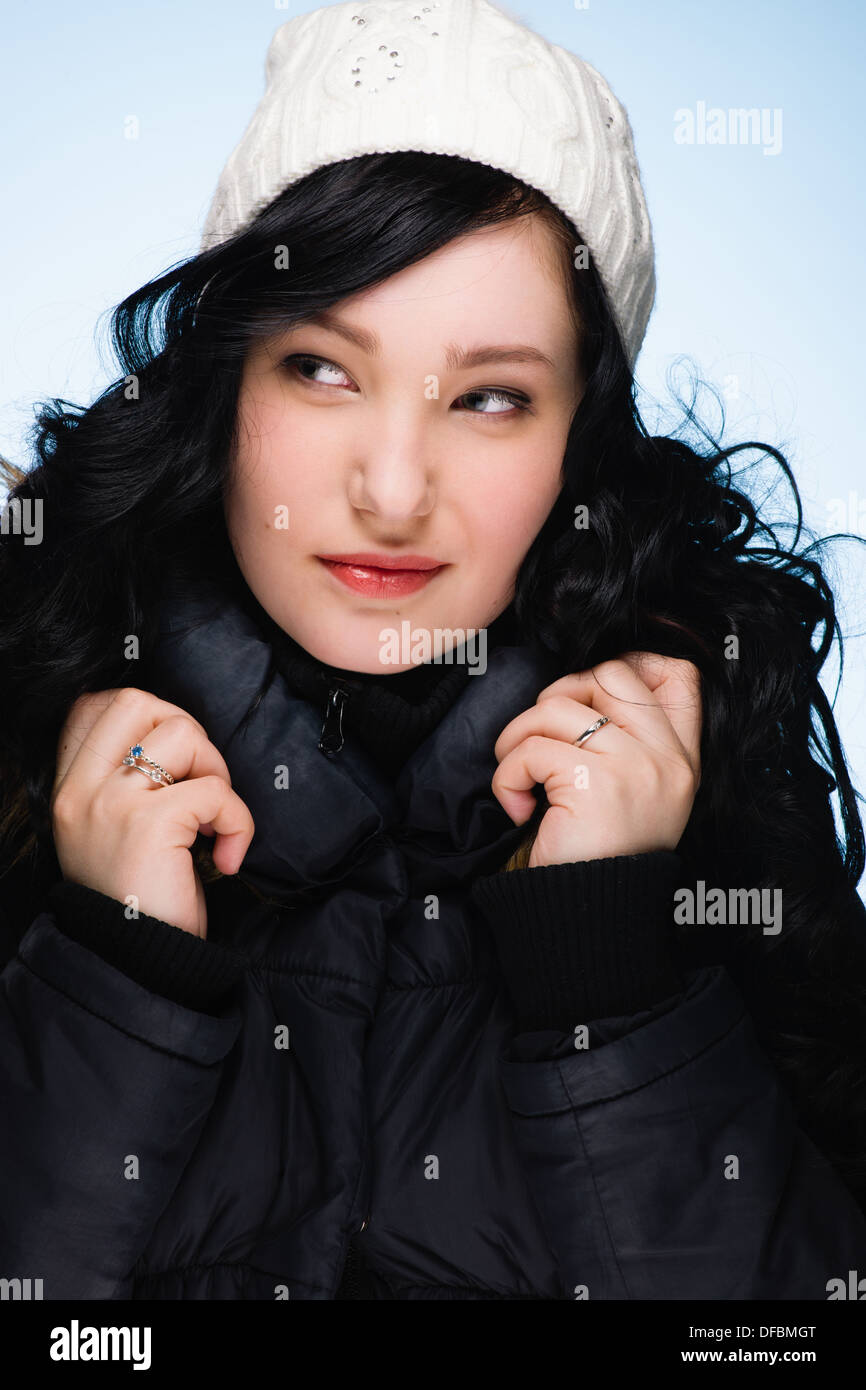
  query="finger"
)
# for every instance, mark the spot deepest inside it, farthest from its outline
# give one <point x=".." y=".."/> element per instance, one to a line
<point x="562" y="718"/>
<point x="210" y="801"/>
<point x="90" y="748"/>
<point x="536" y="760"/>
<point x="180" y="747"/>
<point x="80" y="719"/>
<point x="613" y="688"/>
<point x="676" y="684"/>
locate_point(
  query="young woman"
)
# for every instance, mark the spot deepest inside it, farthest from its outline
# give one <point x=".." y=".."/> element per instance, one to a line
<point x="517" y="958"/>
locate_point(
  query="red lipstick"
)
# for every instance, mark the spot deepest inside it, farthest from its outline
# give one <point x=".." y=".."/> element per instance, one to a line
<point x="382" y="576"/>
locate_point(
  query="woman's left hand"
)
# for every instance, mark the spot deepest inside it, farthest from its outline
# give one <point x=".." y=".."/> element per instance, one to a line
<point x="631" y="787"/>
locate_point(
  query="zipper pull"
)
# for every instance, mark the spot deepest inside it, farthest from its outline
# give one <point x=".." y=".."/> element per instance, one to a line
<point x="331" y="738"/>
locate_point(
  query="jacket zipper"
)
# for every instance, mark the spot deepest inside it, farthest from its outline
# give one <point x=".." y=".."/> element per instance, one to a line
<point x="350" y="1279"/>
<point x="331" y="739"/>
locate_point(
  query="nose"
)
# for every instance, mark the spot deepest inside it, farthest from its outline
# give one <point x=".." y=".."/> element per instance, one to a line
<point x="393" y="478"/>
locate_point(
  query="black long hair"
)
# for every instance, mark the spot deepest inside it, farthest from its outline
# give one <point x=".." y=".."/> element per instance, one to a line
<point x="675" y="560"/>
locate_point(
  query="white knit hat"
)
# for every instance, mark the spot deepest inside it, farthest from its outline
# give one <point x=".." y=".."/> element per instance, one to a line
<point x="455" y="77"/>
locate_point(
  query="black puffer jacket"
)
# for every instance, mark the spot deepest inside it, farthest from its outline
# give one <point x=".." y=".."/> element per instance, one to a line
<point x="365" y="1091"/>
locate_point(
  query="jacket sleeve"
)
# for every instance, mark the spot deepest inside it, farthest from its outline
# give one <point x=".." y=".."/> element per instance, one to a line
<point x="105" y="1086"/>
<point x="194" y="971"/>
<point x="663" y="1155"/>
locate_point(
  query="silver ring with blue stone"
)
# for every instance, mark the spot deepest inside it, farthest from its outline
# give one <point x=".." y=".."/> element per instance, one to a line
<point x="137" y="756"/>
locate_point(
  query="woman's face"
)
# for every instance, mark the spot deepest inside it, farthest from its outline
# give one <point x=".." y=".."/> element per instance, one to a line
<point x="392" y="428"/>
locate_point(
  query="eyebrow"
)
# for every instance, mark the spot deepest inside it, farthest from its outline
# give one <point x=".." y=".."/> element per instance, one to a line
<point x="456" y="358"/>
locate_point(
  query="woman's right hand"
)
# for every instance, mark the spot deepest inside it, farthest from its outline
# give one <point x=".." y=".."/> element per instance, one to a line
<point x="122" y="834"/>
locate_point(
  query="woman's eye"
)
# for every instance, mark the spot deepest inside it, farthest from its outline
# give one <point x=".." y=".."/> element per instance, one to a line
<point x="508" y="397"/>
<point x="302" y="360"/>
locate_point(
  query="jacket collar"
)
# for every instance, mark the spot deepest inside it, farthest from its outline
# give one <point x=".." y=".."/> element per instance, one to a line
<point x="318" y="816"/>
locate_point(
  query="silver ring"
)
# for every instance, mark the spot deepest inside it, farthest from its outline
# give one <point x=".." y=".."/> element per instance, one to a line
<point x="587" y="733"/>
<point x="137" y="755"/>
<point x="153" y="776"/>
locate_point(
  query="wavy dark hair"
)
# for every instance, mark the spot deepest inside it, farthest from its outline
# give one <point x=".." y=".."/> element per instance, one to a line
<point x="676" y="560"/>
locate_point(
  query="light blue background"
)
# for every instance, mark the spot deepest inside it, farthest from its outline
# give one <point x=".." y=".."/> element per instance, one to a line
<point x="759" y="257"/>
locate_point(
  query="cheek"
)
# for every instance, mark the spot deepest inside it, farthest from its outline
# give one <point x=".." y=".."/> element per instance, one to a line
<point x="512" y="506"/>
<point x="265" y="491"/>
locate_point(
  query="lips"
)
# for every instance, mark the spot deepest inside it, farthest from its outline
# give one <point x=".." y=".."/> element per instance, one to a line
<point x="368" y="559"/>
<point x="382" y="576"/>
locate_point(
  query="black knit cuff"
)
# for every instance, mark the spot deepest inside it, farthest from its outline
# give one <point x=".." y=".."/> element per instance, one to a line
<point x="585" y="940"/>
<point x="163" y="958"/>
